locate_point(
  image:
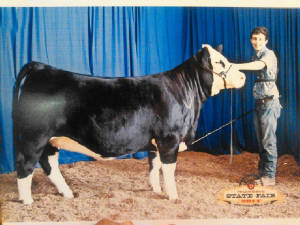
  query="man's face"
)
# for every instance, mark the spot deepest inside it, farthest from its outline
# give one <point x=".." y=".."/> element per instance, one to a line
<point x="258" y="41"/>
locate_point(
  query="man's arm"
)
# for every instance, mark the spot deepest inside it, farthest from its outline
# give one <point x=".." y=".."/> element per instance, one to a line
<point x="255" y="65"/>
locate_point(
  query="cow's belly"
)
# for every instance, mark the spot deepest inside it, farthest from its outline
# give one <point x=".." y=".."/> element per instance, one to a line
<point x="118" y="135"/>
<point x="71" y="145"/>
<point x="125" y="141"/>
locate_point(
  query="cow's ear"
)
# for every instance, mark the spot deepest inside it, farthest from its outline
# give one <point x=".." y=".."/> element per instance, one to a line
<point x="204" y="57"/>
<point x="220" y="48"/>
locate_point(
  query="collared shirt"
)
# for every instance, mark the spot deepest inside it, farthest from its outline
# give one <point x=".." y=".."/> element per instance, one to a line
<point x="266" y="88"/>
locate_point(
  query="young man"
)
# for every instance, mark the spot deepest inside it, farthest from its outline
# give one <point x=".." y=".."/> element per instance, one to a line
<point x="267" y="105"/>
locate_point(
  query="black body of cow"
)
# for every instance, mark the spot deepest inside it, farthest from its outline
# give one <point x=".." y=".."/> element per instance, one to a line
<point x="111" y="117"/>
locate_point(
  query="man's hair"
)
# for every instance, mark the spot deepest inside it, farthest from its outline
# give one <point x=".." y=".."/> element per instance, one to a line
<point x="260" y="30"/>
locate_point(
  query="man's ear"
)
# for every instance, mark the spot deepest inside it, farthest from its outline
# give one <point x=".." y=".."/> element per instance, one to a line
<point x="220" y="48"/>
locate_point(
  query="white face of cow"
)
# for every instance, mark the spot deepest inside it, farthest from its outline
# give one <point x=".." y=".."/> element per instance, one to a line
<point x="233" y="77"/>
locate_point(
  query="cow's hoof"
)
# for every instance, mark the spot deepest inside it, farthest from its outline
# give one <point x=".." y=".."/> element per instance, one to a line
<point x="27" y="201"/>
<point x="177" y="201"/>
<point x="173" y="197"/>
<point x="68" y="194"/>
<point x="157" y="190"/>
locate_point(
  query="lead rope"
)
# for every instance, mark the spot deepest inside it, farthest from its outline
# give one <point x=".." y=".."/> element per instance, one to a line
<point x="231" y="128"/>
<point x="224" y="125"/>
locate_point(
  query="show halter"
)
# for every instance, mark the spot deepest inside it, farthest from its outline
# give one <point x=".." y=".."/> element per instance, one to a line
<point x="222" y="74"/>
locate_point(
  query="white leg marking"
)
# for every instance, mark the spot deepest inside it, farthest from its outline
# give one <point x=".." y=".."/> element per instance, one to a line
<point x="57" y="179"/>
<point x="182" y="147"/>
<point x="24" y="188"/>
<point x="169" y="180"/>
<point x="154" y="174"/>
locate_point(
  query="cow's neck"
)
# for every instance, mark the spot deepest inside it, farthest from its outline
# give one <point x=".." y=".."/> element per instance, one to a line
<point x="197" y="84"/>
<point x="204" y="88"/>
<point x="191" y="87"/>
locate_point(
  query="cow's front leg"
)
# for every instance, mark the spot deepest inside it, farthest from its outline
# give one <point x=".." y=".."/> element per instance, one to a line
<point x="169" y="180"/>
<point x="168" y="150"/>
<point x="155" y="165"/>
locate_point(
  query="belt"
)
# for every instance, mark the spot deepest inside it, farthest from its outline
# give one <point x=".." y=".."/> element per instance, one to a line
<point x="263" y="100"/>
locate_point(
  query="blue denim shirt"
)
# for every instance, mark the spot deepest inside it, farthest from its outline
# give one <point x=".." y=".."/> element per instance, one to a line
<point x="266" y="88"/>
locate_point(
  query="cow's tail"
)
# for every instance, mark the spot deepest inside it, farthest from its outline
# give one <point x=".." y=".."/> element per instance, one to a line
<point x="23" y="73"/>
<point x="21" y="76"/>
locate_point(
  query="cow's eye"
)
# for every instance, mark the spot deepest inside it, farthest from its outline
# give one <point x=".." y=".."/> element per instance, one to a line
<point x="222" y="63"/>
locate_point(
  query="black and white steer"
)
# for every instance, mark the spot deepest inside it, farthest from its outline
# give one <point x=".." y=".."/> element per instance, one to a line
<point x="103" y="118"/>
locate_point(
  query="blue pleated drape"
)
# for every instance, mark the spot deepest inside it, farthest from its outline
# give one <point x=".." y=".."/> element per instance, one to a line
<point x="137" y="41"/>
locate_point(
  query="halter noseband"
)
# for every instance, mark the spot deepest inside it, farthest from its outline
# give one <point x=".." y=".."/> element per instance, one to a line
<point x="222" y="74"/>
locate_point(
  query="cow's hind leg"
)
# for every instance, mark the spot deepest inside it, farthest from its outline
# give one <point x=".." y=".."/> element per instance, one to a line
<point x="49" y="163"/>
<point x="24" y="189"/>
<point x="26" y="159"/>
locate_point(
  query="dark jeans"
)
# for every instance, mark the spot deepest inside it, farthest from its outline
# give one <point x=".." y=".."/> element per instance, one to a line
<point x="265" y="121"/>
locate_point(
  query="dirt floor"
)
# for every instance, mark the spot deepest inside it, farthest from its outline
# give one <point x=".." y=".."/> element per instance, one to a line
<point x="119" y="190"/>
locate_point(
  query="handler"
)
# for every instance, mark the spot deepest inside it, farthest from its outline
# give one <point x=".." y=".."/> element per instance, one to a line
<point x="267" y="105"/>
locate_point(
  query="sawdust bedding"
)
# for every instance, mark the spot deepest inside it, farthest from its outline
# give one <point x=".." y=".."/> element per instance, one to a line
<point x="119" y="190"/>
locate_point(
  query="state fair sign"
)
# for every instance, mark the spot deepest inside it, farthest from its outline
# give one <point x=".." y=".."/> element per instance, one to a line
<point x="254" y="196"/>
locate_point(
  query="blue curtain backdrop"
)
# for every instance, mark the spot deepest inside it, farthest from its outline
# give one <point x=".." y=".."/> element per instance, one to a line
<point x="137" y="41"/>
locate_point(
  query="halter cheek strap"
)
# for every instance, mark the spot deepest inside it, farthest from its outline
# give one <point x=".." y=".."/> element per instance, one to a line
<point x="223" y="75"/>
